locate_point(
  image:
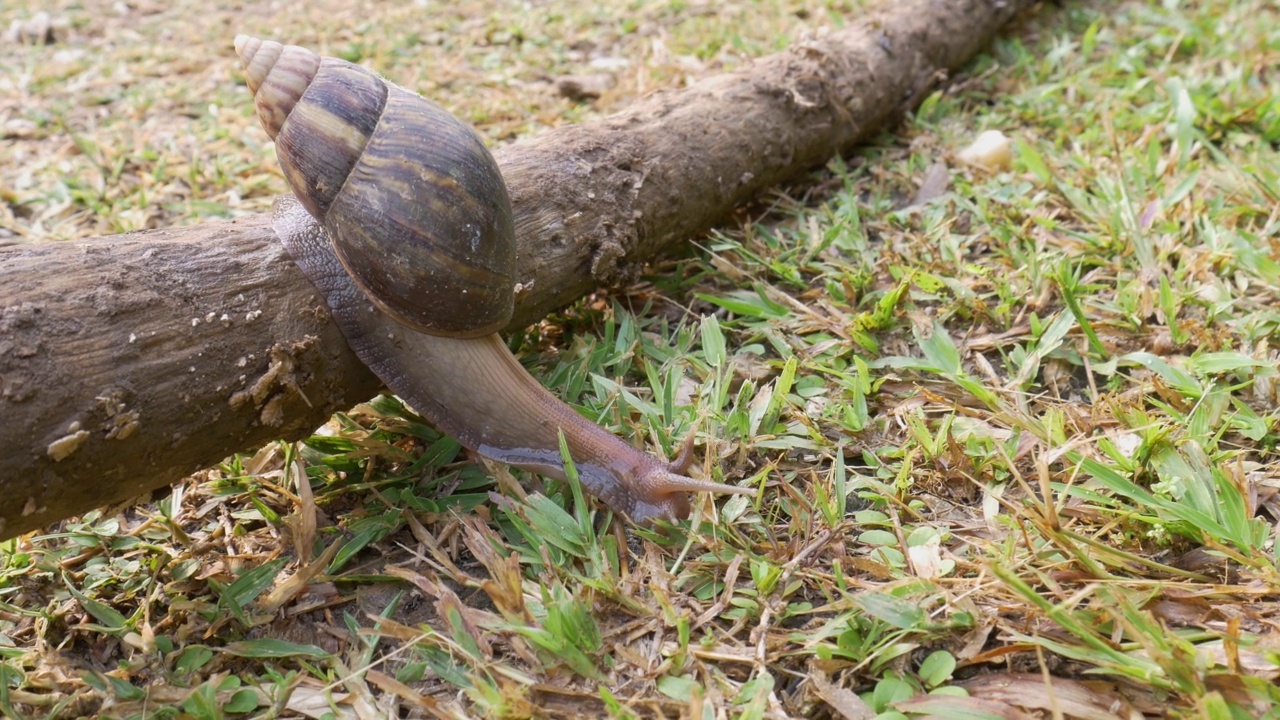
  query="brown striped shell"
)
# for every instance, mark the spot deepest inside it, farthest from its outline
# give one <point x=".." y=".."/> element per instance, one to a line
<point x="414" y="202"/>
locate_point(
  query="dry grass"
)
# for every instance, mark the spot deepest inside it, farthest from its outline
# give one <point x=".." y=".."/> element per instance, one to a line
<point x="1015" y="443"/>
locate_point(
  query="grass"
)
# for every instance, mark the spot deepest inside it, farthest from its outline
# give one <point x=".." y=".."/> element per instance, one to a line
<point x="1015" y="445"/>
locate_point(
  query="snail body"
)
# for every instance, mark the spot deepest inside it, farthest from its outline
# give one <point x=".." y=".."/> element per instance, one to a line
<point x="402" y="221"/>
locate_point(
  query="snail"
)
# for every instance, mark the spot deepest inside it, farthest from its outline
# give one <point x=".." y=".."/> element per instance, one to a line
<point x="402" y="220"/>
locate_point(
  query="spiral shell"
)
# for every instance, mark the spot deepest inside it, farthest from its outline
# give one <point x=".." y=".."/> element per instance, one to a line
<point x="414" y="202"/>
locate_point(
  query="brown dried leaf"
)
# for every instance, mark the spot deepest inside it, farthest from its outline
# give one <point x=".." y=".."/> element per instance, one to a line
<point x="303" y="523"/>
<point x="296" y="584"/>
<point x="1072" y="699"/>
<point x="935" y="182"/>
<point x="386" y="683"/>
<point x="1250" y="662"/>
<point x="842" y="700"/>
<point x="318" y="702"/>
<point x="505" y="584"/>
<point x="951" y="706"/>
<point x="1181" y="612"/>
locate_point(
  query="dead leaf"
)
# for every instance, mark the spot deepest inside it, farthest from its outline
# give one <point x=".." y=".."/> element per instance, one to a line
<point x="936" y="180"/>
<point x="1070" y="698"/>
<point x="842" y="700"/>
<point x="952" y="706"/>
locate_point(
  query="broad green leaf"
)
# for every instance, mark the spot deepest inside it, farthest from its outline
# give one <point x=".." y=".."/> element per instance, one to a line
<point x="898" y="612"/>
<point x="937" y="668"/>
<point x="110" y="618"/>
<point x="712" y="341"/>
<point x="193" y="658"/>
<point x="678" y="688"/>
<point x="1222" y="362"/>
<point x="1175" y="377"/>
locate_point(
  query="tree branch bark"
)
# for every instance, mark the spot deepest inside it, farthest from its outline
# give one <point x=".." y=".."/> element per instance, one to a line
<point x="127" y="362"/>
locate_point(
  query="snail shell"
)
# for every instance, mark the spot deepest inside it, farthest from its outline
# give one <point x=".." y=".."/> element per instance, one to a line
<point x="430" y="241"/>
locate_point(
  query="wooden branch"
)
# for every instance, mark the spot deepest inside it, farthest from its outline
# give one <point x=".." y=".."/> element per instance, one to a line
<point x="127" y="362"/>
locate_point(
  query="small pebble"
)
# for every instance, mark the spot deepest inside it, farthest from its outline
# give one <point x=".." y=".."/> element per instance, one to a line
<point x="992" y="150"/>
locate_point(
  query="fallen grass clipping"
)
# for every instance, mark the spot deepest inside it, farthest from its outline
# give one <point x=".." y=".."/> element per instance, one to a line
<point x="1012" y="428"/>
